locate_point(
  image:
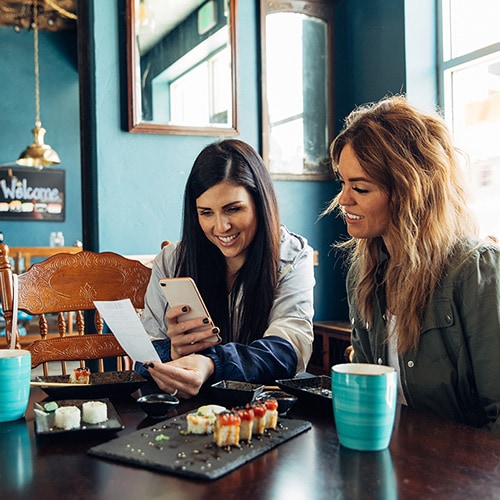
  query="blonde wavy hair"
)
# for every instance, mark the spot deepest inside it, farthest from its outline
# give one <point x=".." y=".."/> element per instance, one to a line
<point x="410" y="155"/>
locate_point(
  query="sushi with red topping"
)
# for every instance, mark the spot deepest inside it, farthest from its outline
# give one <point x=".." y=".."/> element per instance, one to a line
<point x="227" y="429"/>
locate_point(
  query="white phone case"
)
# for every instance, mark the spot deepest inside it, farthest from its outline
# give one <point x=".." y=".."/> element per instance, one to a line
<point x="183" y="291"/>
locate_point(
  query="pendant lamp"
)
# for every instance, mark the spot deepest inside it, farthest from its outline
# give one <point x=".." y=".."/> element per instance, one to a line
<point x="38" y="154"/>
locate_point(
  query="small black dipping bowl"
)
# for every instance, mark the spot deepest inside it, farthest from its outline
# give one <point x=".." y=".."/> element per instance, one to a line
<point x="285" y="400"/>
<point x="231" y="392"/>
<point x="157" y="405"/>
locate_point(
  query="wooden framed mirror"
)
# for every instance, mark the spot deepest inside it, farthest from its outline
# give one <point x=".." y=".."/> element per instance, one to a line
<point x="182" y="67"/>
<point x="297" y="87"/>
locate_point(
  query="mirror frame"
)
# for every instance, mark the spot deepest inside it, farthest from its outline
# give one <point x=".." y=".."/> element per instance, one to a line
<point x="321" y="9"/>
<point x="134" y="113"/>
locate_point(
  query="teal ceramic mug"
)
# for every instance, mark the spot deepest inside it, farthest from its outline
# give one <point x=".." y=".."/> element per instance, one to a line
<point x="364" y="404"/>
<point x="15" y="373"/>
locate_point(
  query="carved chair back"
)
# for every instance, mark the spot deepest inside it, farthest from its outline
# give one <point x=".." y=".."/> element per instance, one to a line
<point x="67" y="284"/>
<point x="22" y="255"/>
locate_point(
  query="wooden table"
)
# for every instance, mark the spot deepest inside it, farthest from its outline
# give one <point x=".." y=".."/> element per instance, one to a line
<point x="427" y="458"/>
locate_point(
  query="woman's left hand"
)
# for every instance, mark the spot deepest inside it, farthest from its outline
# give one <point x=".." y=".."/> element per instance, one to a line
<point x="184" y="376"/>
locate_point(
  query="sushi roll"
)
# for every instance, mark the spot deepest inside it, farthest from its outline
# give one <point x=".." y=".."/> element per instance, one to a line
<point x="259" y="423"/>
<point x="67" y="417"/>
<point x="202" y="421"/>
<point x="271" y="413"/>
<point x="80" y="376"/>
<point x="94" y="412"/>
<point x="227" y="429"/>
<point x="247" y="417"/>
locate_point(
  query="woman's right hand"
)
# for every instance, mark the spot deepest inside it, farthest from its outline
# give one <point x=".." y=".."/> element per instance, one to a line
<point x="183" y="339"/>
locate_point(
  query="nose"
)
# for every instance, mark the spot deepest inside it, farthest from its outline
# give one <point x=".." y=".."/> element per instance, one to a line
<point x="221" y="224"/>
<point x="345" y="198"/>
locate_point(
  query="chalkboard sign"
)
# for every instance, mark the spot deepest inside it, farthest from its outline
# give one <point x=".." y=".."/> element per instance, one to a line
<point x="31" y="194"/>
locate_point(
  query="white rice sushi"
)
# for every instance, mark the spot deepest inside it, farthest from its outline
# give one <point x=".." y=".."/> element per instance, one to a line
<point x="94" y="412"/>
<point x="67" y="417"/>
<point x="271" y="413"/>
<point x="202" y="422"/>
<point x="227" y="429"/>
<point x="247" y="417"/>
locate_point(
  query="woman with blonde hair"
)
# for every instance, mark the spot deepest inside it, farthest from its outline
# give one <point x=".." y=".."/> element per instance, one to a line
<point x="423" y="291"/>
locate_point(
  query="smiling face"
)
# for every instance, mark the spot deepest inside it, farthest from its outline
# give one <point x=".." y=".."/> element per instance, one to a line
<point x="228" y="218"/>
<point x="364" y="203"/>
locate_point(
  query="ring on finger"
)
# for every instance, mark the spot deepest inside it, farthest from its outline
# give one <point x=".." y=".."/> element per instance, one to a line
<point x="174" y="393"/>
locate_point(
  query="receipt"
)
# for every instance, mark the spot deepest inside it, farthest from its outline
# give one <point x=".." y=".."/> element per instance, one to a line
<point x="126" y="326"/>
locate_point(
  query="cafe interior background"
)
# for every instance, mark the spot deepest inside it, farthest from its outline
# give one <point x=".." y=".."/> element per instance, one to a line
<point x="124" y="187"/>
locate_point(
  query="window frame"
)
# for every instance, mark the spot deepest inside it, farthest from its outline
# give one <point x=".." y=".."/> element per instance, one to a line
<point x="447" y="64"/>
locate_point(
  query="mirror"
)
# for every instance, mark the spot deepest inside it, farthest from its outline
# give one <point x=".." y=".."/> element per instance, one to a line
<point x="181" y="67"/>
<point x="297" y="88"/>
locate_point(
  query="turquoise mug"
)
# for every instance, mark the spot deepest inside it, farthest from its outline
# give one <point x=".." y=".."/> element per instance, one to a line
<point x="364" y="404"/>
<point x="15" y="374"/>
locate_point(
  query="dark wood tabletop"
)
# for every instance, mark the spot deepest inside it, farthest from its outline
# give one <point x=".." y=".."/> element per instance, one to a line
<point x="427" y="458"/>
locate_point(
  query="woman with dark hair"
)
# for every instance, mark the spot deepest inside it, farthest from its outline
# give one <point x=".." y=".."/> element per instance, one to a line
<point x="255" y="276"/>
<point x="423" y="290"/>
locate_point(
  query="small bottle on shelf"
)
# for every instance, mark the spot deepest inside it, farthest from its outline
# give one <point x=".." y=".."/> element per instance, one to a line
<point x="56" y="239"/>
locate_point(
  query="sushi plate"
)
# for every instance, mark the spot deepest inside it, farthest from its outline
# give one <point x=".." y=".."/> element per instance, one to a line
<point x="102" y="385"/>
<point x="44" y="420"/>
<point x="167" y="448"/>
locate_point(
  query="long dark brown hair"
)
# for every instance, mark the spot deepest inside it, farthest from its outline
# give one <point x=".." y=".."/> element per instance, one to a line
<point x="410" y="155"/>
<point x="235" y="161"/>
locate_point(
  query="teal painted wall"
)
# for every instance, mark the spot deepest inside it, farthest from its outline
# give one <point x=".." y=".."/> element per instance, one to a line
<point x="370" y="52"/>
<point x="59" y="112"/>
<point x="139" y="177"/>
<point x="384" y="47"/>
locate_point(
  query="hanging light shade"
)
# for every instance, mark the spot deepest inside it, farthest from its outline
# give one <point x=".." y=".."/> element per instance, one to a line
<point x="38" y="154"/>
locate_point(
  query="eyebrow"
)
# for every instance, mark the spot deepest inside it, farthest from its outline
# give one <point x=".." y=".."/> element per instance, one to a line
<point x="225" y="206"/>
<point x="358" y="179"/>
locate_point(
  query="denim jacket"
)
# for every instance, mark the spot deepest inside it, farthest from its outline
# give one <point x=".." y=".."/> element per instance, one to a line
<point x="286" y="345"/>
<point x="455" y="372"/>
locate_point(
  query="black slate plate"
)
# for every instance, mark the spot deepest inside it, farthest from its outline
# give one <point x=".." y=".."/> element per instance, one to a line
<point x="165" y="448"/>
<point x="44" y="421"/>
<point x="102" y="385"/>
<point x="313" y="389"/>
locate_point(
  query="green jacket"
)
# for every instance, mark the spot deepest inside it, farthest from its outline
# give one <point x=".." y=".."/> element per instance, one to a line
<point x="456" y="371"/>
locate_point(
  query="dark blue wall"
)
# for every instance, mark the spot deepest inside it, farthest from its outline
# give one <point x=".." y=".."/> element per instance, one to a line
<point x="370" y="52"/>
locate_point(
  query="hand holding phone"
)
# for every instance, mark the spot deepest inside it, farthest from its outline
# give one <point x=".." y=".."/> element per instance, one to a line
<point x="183" y="291"/>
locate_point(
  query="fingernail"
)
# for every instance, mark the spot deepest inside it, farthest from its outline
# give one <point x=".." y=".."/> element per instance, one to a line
<point x="205" y="320"/>
<point x="185" y="309"/>
<point x="215" y="330"/>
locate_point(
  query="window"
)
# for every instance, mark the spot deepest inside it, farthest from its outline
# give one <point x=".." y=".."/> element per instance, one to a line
<point x="209" y="107"/>
<point x="296" y="88"/>
<point x="196" y="89"/>
<point x="470" y="84"/>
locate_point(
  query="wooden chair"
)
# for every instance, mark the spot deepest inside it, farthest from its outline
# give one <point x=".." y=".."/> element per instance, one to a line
<point x="22" y="255"/>
<point x="71" y="282"/>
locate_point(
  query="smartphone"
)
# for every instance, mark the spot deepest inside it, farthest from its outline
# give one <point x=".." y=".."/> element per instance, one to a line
<point x="183" y="291"/>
